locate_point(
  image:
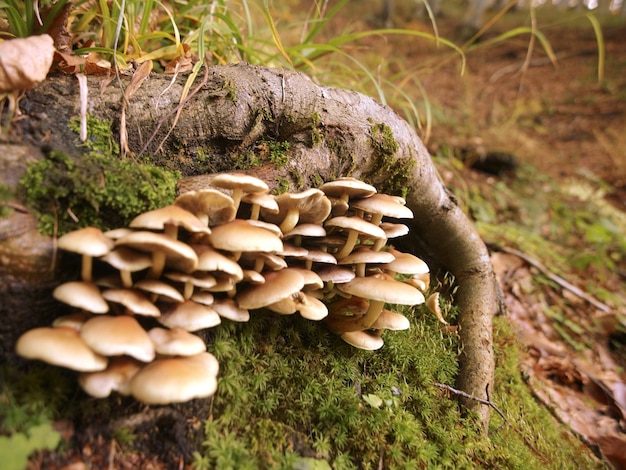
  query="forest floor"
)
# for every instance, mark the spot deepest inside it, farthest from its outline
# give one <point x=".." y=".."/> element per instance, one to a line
<point x="559" y="216"/>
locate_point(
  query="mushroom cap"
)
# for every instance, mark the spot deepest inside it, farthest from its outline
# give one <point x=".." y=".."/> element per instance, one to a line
<point x="312" y="204"/>
<point x="390" y="320"/>
<point x="83" y="295"/>
<point x="61" y="346"/>
<point x="134" y="300"/>
<point x="384" y="204"/>
<point x="124" y="258"/>
<point x="157" y="219"/>
<point x="117" y="336"/>
<point x="72" y="320"/>
<point x="161" y="289"/>
<point x="262" y="199"/>
<point x="247" y="183"/>
<point x="228" y="308"/>
<point x="349" y="186"/>
<point x="212" y="260"/>
<point x="277" y="286"/>
<point x="367" y="255"/>
<point x="311" y="308"/>
<point x="197" y="278"/>
<point x="335" y="274"/>
<point x="394" y="230"/>
<point x="90" y="241"/>
<point x="179" y="255"/>
<point x="175" y="380"/>
<point x="356" y="223"/>
<point x="219" y="207"/>
<point x="176" y="342"/>
<point x="306" y="230"/>
<point x="116" y="377"/>
<point x="363" y="340"/>
<point x="385" y="290"/>
<point x="238" y="235"/>
<point x="406" y="263"/>
<point x="190" y="316"/>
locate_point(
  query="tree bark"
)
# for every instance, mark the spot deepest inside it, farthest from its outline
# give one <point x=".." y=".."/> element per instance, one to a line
<point x="332" y="132"/>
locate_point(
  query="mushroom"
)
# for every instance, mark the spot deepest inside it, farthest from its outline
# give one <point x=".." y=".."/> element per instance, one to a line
<point x="62" y="346"/>
<point x="380" y="291"/>
<point x="240" y="184"/>
<point x="83" y="295"/>
<point x="238" y="236"/>
<point x="117" y="336"/>
<point x="354" y="226"/>
<point x="228" y="308"/>
<point x="211" y="260"/>
<point x="127" y="261"/>
<point x="390" y="320"/>
<point x="345" y="188"/>
<point x="190" y="316"/>
<point x="363" y="340"/>
<point x="168" y="219"/>
<point x="258" y="201"/>
<point x="174" y="380"/>
<point x="134" y="301"/>
<point x="310" y="206"/>
<point x="89" y="242"/>
<point x="380" y="205"/>
<point x="190" y="281"/>
<point x="304" y="230"/>
<point x="210" y="206"/>
<point x="163" y="248"/>
<point x="278" y="285"/>
<point x="362" y="256"/>
<point x="116" y="377"/>
<point x="176" y="342"/>
<point x="159" y="290"/>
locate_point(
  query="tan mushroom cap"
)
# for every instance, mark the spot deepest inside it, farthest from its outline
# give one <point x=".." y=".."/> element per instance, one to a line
<point x="311" y="308"/>
<point x="228" y="308"/>
<point x="363" y="340"/>
<point x="118" y="336"/>
<point x="116" y="377"/>
<point x="192" y="280"/>
<point x="175" y="380"/>
<point x="62" y="346"/>
<point x="164" y="250"/>
<point x="382" y="205"/>
<point x="362" y="256"/>
<point x="127" y="261"/>
<point x="89" y="242"/>
<point x="83" y="295"/>
<point x="190" y="316"/>
<point x="277" y="286"/>
<point x="168" y="219"/>
<point x="309" y="206"/>
<point x="238" y="235"/>
<point x="390" y="320"/>
<point x="134" y="300"/>
<point x="211" y="260"/>
<point x="210" y="206"/>
<point x="406" y="263"/>
<point x="355" y="226"/>
<point x="348" y="187"/>
<point x="240" y="184"/>
<point x="176" y="342"/>
<point x="260" y="200"/>
<point x="72" y="320"/>
<point x="159" y="290"/>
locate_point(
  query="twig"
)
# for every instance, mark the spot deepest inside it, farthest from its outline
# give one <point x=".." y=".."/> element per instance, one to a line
<point x="488" y="402"/>
<point x="553" y="277"/>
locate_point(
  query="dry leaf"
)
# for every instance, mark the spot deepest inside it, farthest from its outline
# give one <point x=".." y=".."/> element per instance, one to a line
<point x="25" y="62"/>
<point x="182" y="63"/>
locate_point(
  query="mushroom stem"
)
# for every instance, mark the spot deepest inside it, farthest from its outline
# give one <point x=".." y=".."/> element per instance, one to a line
<point x="255" y="211"/>
<point x="348" y="245"/>
<point x="86" y="268"/>
<point x="236" y="196"/>
<point x="158" y="263"/>
<point x="374" y="310"/>
<point x="126" y="278"/>
<point x="290" y="220"/>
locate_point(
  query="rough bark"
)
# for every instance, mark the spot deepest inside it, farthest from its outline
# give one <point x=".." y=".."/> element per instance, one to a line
<point x="332" y="133"/>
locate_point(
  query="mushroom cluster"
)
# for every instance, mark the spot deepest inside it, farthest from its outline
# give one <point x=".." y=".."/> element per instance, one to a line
<point x="215" y="254"/>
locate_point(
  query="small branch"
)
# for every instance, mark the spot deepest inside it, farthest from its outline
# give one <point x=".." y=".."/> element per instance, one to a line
<point x="553" y="277"/>
<point x="488" y="402"/>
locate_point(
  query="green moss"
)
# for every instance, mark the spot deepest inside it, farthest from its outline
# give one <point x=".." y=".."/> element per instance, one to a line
<point x="6" y="194"/>
<point x="278" y="152"/>
<point x="396" y="171"/>
<point x="97" y="188"/>
<point x="317" y="136"/>
<point x="282" y="186"/>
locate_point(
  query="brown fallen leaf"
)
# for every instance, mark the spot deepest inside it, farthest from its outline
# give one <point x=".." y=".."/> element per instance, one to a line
<point x="25" y="62"/>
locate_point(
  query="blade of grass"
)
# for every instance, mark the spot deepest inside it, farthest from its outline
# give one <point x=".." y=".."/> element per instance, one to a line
<point x="597" y="29"/>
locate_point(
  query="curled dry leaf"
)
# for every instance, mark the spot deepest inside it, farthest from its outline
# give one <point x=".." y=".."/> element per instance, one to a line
<point x="433" y="305"/>
<point x="25" y="62"/>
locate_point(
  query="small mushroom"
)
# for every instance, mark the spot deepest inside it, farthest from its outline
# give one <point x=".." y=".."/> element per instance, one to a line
<point x="380" y="205"/>
<point x="168" y="219"/>
<point x="345" y="188"/>
<point x="175" y="380"/>
<point x="238" y="236"/>
<point x="116" y="377"/>
<point x="83" y="295"/>
<point x="278" y="285"/>
<point x="354" y="226"/>
<point x="89" y="242"/>
<point x="210" y="206"/>
<point x="363" y="340"/>
<point x="240" y="184"/>
<point x="176" y="342"/>
<point x="133" y="300"/>
<point x="310" y="206"/>
<point x="190" y="316"/>
<point x="127" y="261"/>
<point x="118" y="336"/>
<point x="62" y="346"/>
